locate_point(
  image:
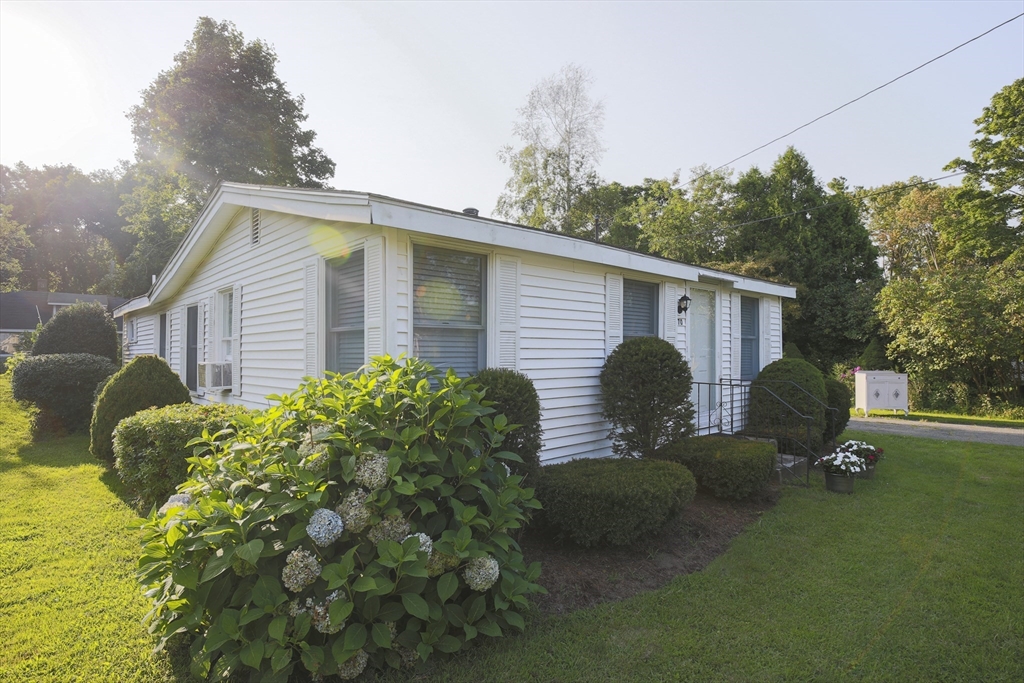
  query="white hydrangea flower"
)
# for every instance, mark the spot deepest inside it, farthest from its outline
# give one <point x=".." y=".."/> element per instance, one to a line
<point x="372" y="471"/>
<point x="325" y="527"/>
<point x="426" y="545"/>
<point x="354" y="512"/>
<point x="481" y="573"/>
<point x="300" y="571"/>
<point x="320" y="613"/>
<point x="178" y="500"/>
<point x="390" y="528"/>
<point x="353" y="666"/>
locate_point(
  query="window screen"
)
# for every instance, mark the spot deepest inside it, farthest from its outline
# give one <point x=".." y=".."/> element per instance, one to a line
<point x="448" y="309"/>
<point x="639" y="309"/>
<point x="750" y="362"/>
<point x="346" y="311"/>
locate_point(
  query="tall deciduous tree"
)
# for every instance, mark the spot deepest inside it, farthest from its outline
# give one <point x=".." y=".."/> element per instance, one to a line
<point x="687" y="224"/>
<point x="560" y="127"/>
<point x="14" y="246"/>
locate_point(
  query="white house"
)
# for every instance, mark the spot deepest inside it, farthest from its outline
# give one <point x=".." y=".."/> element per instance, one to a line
<point x="272" y="284"/>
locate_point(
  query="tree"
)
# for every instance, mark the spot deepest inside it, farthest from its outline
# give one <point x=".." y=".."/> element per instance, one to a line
<point x="686" y="224"/>
<point x="560" y="127"/>
<point x="221" y="113"/>
<point x="14" y="242"/>
<point x="901" y="219"/>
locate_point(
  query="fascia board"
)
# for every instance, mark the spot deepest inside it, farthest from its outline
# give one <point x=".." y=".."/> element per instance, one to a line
<point x="132" y="305"/>
<point x="473" y="229"/>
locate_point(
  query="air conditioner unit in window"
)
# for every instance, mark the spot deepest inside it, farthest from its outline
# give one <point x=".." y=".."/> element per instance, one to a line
<point x="215" y="376"/>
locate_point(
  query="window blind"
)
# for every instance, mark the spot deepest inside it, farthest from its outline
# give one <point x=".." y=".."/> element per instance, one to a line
<point x="639" y="309"/>
<point x="346" y="311"/>
<point x="448" y="309"/>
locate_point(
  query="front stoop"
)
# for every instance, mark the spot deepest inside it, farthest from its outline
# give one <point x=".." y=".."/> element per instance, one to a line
<point x="790" y="468"/>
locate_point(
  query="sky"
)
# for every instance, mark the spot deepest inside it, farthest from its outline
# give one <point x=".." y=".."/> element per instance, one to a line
<point x="414" y="100"/>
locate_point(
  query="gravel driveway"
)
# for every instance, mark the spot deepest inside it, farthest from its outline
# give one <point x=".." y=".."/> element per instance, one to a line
<point x="1003" y="436"/>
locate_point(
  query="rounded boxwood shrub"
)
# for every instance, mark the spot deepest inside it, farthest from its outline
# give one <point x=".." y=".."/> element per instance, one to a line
<point x="145" y="382"/>
<point x="841" y="398"/>
<point x="514" y="396"/>
<point x="779" y="378"/>
<point x="79" y="328"/>
<point x="150" y="446"/>
<point x="645" y="390"/>
<point x="359" y="522"/>
<point x="614" y="501"/>
<point x="728" y="467"/>
<point x="62" y="385"/>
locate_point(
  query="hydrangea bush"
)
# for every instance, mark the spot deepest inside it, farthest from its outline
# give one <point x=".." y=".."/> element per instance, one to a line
<point x="363" y="521"/>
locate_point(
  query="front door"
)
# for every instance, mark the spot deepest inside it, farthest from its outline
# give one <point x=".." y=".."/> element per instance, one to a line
<point x="703" y="345"/>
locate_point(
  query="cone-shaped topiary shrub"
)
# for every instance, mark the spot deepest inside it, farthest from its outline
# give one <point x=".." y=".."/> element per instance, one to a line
<point x="62" y="385"/>
<point x="146" y="382"/>
<point x="514" y="396"/>
<point x="612" y="501"/>
<point x="791" y="350"/>
<point x="79" y="328"/>
<point x="645" y="390"/>
<point x="728" y="467"/>
<point x="785" y="378"/>
<point x="840" y="398"/>
<point x="151" y="451"/>
<point x="361" y="522"/>
<point x="873" y="357"/>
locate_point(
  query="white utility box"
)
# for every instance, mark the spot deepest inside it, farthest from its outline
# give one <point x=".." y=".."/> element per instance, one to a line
<point x="881" y="390"/>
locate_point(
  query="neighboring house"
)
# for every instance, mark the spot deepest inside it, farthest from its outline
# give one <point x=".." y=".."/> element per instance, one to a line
<point x="272" y="284"/>
<point x="20" y="312"/>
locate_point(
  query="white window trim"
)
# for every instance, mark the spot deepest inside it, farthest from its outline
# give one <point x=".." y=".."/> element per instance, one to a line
<point x="223" y="297"/>
<point x="659" y="305"/>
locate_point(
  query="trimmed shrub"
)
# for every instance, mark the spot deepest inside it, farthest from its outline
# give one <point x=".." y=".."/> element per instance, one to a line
<point x="645" y="389"/>
<point x="150" y="446"/>
<point x="728" y="467"/>
<point x="841" y="398"/>
<point x="614" y="501"/>
<point x="873" y="357"/>
<point x="62" y="386"/>
<point x="791" y="350"/>
<point x="362" y="521"/>
<point x="514" y="396"/>
<point x="145" y="382"/>
<point x="764" y="408"/>
<point x="79" y="328"/>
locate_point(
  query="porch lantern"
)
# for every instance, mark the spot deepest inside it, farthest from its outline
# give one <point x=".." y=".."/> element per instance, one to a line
<point x="684" y="304"/>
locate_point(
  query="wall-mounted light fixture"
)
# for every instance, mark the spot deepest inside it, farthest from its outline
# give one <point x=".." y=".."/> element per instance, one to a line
<point x="684" y="304"/>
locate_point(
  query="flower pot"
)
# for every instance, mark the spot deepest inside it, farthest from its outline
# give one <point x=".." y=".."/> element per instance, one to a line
<point x="868" y="473"/>
<point x="837" y="483"/>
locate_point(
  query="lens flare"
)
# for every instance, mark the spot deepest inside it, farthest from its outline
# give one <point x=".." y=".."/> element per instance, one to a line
<point x="329" y="241"/>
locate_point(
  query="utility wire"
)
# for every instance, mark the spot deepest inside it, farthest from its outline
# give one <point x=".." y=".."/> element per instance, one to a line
<point x="856" y="99"/>
<point x="839" y="201"/>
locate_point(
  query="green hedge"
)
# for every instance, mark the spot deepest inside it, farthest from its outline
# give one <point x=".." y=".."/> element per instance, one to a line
<point x="79" y="328"/>
<point x="514" y="396"/>
<point x="728" y="467"/>
<point x="645" y="393"/>
<point x="764" y="409"/>
<point x="62" y="385"/>
<point x="611" y="500"/>
<point x="149" y="446"/>
<point x="146" y="382"/>
<point x="841" y="398"/>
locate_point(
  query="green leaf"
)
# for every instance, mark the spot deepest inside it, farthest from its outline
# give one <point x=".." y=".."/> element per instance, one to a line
<point x="277" y="627"/>
<point x="216" y="565"/>
<point x="252" y="653"/>
<point x="470" y="631"/>
<point x="186" y="576"/>
<point x="391" y="611"/>
<point x="424" y="651"/>
<point x="514" y="620"/>
<point x="364" y="584"/>
<point x="448" y="644"/>
<point x="250" y="552"/>
<point x="355" y="636"/>
<point x="267" y="592"/>
<point x="508" y="455"/>
<point x="339" y="611"/>
<point x="302" y="623"/>
<point x="406" y="488"/>
<point x="475" y="609"/>
<point x="313" y="657"/>
<point x="280" y="659"/>
<point x="416" y="605"/>
<point x="382" y="635"/>
<point x="447" y="585"/>
<point x="490" y="628"/>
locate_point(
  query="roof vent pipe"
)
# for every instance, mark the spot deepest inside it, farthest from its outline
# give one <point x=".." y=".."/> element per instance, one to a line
<point x="470" y="211"/>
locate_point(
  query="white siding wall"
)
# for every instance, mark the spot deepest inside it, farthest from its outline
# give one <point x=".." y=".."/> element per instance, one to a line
<point x="145" y="337"/>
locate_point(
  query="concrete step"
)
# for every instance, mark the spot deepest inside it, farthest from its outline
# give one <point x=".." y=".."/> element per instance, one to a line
<point x="790" y="468"/>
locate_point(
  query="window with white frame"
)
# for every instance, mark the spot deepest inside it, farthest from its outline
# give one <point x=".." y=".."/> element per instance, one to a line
<point x="639" y="309"/>
<point x="225" y="325"/>
<point x="750" y="337"/>
<point x="346" y="313"/>
<point x="131" y="331"/>
<point x="449" y="311"/>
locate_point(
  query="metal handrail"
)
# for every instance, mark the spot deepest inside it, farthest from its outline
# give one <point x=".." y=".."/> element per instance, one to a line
<point x="833" y="412"/>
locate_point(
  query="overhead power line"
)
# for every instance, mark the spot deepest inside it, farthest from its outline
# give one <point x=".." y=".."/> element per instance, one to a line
<point x="856" y="99"/>
<point x="839" y="201"/>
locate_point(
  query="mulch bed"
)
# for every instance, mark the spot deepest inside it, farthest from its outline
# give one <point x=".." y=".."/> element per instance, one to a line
<point x="577" y="578"/>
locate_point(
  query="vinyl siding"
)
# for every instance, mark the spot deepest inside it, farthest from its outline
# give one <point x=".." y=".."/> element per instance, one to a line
<point x="145" y="338"/>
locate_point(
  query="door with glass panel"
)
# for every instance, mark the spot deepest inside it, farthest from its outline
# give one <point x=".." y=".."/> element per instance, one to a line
<point x="703" y="352"/>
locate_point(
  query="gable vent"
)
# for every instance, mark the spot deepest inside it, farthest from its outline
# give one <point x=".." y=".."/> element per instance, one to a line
<point x="254" y="232"/>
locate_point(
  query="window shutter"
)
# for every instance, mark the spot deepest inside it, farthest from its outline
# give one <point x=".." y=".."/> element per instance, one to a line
<point x="236" y="341"/>
<point x="311" y="318"/>
<point x="374" y="260"/>
<point x="671" y="312"/>
<point x="178" y="322"/>
<point x="508" y="312"/>
<point x="255" y="227"/>
<point x="612" y="311"/>
<point x="208" y="323"/>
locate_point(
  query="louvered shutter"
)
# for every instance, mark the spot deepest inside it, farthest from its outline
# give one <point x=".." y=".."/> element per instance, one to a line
<point x="208" y="326"/>
<point x="236" y="341"/>
<point x="750" y="337"/>
<point x="508" y="312"/>
<point x="374" y="259"/>
<point x="311" y="316"/>
<point x="671" y="311"/>
<point x="612" y="311"/>
<point x="178" y="322"/>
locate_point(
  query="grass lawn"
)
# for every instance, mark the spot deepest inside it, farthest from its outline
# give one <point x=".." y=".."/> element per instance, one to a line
<point x="946" y="418"/>
<point x="917" y="576"/>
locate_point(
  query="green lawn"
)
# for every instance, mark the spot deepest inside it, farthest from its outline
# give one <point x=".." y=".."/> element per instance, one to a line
<point x="947" y="418"/>
<point x="917" y="576"/>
